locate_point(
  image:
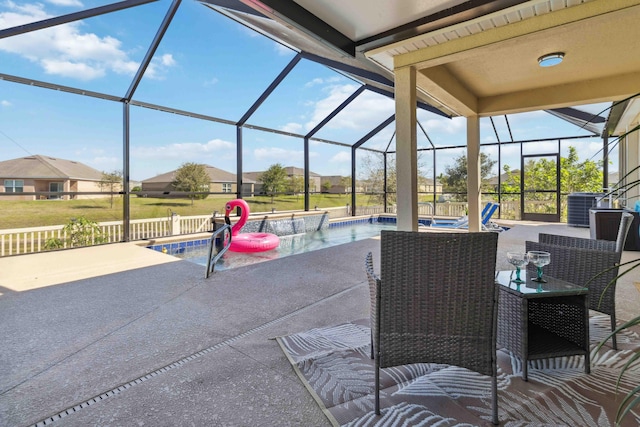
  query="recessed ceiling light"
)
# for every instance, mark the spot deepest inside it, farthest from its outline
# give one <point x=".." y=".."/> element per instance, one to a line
<point x="551" y="59"/>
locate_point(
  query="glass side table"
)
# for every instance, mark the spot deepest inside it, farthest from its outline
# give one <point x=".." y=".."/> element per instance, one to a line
<point x="542" y="320"/>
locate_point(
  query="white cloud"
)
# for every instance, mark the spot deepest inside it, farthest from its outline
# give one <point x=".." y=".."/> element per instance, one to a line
<point x="366" y="111"/>
<point x="341" y="157"/>
<point x="320" y="81"/>
<point x="292" y="127"/>
<point x="30" y="9"/>
<point x="314" y="82"/>
<point x="5" y="103"/>
<point x="249" y="32"/>
<point x="186" y="151"/>
<point x="282" y="50"/>
<point x="167" y="60"/>
<point x="72" y="69"/>
<point x="66" y="50"/>
<point x="158" y="66"/>
<point x="453" y="126"/>
<point x="65" y="2"/>
<point x="212" y="81"/>
<point x="279" y="154"/>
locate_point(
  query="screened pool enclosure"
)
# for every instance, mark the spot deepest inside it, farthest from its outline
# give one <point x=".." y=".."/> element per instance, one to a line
<point x="140" y="87"/>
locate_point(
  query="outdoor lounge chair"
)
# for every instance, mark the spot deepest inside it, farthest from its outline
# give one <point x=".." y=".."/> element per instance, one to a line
<point x="436" y="301"/>
<point x="463" y="222"/>
<point x="581" y="261"/>
<point x="464" y="219"/>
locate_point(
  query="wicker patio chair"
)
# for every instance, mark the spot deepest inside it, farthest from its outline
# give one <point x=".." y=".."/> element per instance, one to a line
<point x="437" y="302"/>
<point x="603" y="245"/>
<point x="602" y="290"/>
<point x="584" y="267"/>
<point x="373" y="286"/>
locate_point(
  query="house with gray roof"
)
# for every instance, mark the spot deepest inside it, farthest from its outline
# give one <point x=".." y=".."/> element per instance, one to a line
<point x="49" y="176"/>
<point x="291" y="171"/>
<point x="221" y="181"/>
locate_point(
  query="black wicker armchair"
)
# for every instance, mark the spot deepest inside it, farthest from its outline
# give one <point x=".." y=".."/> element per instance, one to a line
<point x="602" y="245"/>
<point x="436" y="302"/>
<point x="373" y="286"/>
<point x="589" y="262"/>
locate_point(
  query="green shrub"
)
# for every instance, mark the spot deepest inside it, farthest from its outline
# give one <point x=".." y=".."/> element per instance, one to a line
<point x="78" y="232"/>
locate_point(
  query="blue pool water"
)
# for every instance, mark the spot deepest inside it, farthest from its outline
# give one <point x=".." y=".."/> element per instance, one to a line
<point x="196" y="251"/>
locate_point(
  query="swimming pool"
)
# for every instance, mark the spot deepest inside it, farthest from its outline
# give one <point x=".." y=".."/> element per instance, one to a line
<point x="197" y="251"/>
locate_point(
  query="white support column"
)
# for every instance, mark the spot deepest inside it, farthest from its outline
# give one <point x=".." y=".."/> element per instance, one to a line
<point x="632" y="159"/>
<point x="473" y="172"/>
<point x="406" y="149"/>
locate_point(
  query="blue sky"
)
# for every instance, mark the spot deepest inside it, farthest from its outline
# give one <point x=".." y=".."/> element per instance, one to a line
<point x="206" y="64"/>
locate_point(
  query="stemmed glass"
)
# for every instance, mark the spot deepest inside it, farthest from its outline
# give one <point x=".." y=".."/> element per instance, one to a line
<point x="539" y="259"/>
<point x="519" y="260"/>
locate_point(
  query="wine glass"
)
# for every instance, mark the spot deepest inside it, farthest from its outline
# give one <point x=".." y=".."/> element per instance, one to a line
<point x="519" y="260"/>
<point x="539" y="259"/>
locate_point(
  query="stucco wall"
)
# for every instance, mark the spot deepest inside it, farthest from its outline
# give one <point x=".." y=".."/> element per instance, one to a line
<point x="42" y="185"/>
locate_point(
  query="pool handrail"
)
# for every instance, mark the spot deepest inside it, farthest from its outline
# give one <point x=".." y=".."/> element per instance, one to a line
<point x="226" y="242"/>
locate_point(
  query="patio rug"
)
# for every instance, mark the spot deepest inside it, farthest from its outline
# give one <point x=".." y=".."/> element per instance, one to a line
<point x="335" y="365"/>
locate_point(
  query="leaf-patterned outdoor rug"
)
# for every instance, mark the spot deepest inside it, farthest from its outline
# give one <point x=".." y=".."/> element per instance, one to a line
<point x="335" y="365"/>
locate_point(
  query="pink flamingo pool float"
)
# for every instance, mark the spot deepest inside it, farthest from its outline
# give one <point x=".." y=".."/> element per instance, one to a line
<point x="247" y="242"/>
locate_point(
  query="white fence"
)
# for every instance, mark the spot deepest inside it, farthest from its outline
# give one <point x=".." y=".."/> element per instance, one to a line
<point x="34" y="239"/>
<point x="29" y="240"/>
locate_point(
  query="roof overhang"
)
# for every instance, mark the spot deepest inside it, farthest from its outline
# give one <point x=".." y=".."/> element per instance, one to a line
<point x="488" y="66"/>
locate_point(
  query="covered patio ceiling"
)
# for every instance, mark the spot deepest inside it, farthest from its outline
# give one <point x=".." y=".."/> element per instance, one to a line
<point x="475" y="57"/>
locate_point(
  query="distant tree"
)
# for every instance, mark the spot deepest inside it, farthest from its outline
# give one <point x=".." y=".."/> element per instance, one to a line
<point x="345" y="181"/>
<point x="326" y="186"/>
<point x="575" y="176"/>
<point x="454" y="179"/>
<point x="371" y="176"/>
<point x="296" y="184"/>
<point x="274" y="180"/>
<point x="192" y="178"/>
<point x="112" y="182"/>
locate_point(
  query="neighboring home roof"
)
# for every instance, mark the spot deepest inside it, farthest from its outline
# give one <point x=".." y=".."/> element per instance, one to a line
<point x="294" y="171"/>
<point x="215" y="175"/>
<point x="333" y="179"/>
<point x="504" y="177"/>
<point x="45" y="167"/>
<point x="255" y="176"/>
<point x="290" y="170"/>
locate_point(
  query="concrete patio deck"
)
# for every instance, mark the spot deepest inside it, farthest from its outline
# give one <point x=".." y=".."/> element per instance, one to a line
<point x="121" y="335"/>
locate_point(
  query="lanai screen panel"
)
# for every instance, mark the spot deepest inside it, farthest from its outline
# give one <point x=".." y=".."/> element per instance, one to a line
<point x="214" y="66"/>
<point x="56" y="147"/>
<point x="304" y="98"/>
<point x="365" y="113"/>
<point x="162" y="143"/>
<point x="100" y="53"/>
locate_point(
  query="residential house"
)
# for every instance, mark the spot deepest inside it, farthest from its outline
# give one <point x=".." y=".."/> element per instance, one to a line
<point x="426" y="185"/>
<point x="336" y="184"/>
<point x="291" y="171"/>
<point x="513" y="177"/>
<point x="49" y="176"/>
<point x="314" y="178"/>
<point x="221" y="181"/>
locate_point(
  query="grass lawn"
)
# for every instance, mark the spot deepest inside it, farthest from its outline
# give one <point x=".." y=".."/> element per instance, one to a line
<point x="21" y="214"/>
